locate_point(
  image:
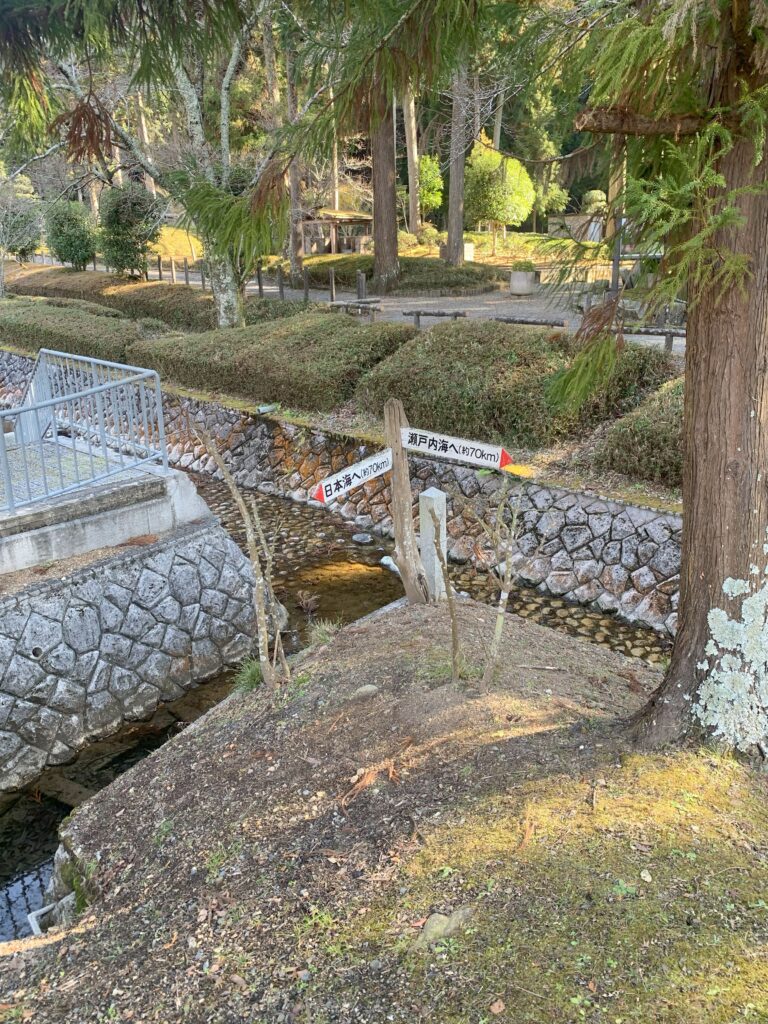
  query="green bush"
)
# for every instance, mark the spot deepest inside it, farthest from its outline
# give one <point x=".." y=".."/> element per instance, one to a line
<point x="428" y="235"/>
<point x="406" y="240"/>
<point x="130" y="223"/>
<point x="639" y="371"/>
<point x="648" y="442"/>
<point x="35" y="323"/>
<point x="490" y="380"/>
<point x="419" y="274"/>
<point x="310" y="361"/>
<point x="180" y="307"/>
<point x="71" y="234"/>
<point x="476" y="378"/>
<point x="525" y="266"/>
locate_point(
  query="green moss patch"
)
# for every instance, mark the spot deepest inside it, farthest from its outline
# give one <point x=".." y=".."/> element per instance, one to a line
<point x="638" y="896"/>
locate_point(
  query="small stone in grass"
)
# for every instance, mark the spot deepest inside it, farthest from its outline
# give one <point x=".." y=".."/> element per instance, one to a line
<point x="646" y="875"/>
<point x="441" y="926"/>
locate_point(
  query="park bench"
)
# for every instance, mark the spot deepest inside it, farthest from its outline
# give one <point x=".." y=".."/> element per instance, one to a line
<point x="360" y="306"/>
<point x="529" y="321"/>
<point x="417" y="314"/>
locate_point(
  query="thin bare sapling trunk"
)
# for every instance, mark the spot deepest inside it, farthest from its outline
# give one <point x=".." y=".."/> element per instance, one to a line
<point x="272" y="661"/>
<point x="500" y="536"/>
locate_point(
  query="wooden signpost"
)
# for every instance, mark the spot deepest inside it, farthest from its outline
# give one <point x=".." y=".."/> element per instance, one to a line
<point x="353" y="476"/>
<point x="401" y="438"/>
<point x="474" y="453"/>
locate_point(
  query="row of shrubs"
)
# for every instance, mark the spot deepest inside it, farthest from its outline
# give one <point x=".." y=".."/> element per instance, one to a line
<point x="419" y="275"/>
<point x="72" y="326"/>
<point x="187" y="309"/>
<point x="476" y="377"/>
<point x="480" y="378"/>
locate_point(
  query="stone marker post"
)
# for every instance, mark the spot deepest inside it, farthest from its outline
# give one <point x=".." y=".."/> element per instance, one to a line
<point x="406" y="551"/>
<point x="433" y="500"/>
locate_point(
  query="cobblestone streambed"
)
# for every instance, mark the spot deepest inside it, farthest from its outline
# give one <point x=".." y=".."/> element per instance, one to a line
<point x="321" y="573"/>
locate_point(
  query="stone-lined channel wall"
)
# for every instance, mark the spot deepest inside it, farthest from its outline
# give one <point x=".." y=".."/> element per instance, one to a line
<point x="83" y="654"/>
<point x="579" y="546"/>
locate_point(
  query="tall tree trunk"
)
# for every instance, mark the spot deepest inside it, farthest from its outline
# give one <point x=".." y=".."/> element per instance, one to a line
<point x="296" y="240"/>
<point x="477" y="123"/>
<point x="386" y="266"/>
<point x="334" y="163"/>
<point x="412" y="149"/>
<point x="143" y="136"/>
<point x="725" y="497"/>
<point x="227" y="296"/>
<point x="93" y="197"/>
<point x="270" y="68"/>
<point x="455" y="244"/>
<point x="616" y="184"/>
<point x="498" y="118"/>
<point x="3" y="258"/>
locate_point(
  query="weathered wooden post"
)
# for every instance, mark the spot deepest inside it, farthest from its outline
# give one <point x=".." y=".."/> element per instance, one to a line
<point x="160" y="268"/>
<point x="406" y="552"/>
<point x="186" y="271"/>
<point x="360" y="284"/>
<point x="173" y="270"/>
<point x="332" y="283"/>
<point x="432" y="507"/>
<point x="260" y="280"/>
<point x="280" y="282"/>
<point x="305" y="281"/>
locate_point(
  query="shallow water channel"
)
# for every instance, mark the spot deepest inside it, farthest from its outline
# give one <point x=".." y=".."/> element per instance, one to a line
<point x="321" y="573"/>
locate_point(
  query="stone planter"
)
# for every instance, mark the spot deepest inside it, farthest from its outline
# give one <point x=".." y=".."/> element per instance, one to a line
<point x="523" y="282"/>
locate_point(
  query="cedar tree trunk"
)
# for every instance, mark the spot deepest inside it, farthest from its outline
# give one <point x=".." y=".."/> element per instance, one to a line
<point x="725" y="474"/>
<point x="455" y="245"/>
<point x="386" y="267"/>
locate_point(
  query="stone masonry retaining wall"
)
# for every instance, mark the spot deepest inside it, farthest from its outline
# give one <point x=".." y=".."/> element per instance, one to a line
<point x="576" y="545"/>
<point x="83" y="654"/>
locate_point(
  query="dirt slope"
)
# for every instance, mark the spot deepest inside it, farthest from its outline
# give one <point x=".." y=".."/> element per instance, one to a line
<point x="277" y="860"/>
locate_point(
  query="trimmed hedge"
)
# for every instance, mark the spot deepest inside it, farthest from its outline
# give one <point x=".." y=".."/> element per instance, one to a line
<point x="648" y="442"/>
<point x="489" y="380"/>
<point x="187" y="309"/>
<point x="310" y="361"/>
<point x="419" y="274"/>
<point x="79" y="328"/>
<point x="475" y="378"/>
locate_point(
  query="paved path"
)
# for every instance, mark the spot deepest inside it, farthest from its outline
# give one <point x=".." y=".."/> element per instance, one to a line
<point x="551" y="303"/>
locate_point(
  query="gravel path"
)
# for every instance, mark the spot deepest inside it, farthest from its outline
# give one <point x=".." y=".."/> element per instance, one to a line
<point x="549" y="304"/>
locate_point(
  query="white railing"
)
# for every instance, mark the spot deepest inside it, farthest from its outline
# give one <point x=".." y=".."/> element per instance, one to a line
<point x="80" y="420"/>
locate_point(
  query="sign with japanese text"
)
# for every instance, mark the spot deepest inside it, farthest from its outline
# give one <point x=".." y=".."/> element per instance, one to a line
<point x="475" y="453"/>
<point x="353" y="476"/>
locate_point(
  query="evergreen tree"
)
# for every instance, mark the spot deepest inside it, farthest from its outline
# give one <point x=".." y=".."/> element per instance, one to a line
<point x="497" y="189"/>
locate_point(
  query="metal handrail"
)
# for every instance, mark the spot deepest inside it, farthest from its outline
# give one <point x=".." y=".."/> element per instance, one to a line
<point x="73" y="427"/>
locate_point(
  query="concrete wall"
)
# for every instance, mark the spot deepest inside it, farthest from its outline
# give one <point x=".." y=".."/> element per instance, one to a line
<point x="580" y="546"/>
<point x="83" y="654"/>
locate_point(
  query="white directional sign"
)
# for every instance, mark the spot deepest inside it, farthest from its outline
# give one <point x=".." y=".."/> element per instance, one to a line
<point x="353" y="476"/>
<point x="475" y="453"/>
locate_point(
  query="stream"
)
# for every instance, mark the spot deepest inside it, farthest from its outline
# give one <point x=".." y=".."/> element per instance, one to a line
<point x="321" y="574"/>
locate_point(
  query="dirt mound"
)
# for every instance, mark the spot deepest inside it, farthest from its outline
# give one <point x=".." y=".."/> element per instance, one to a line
<point x="277" y="860"/>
